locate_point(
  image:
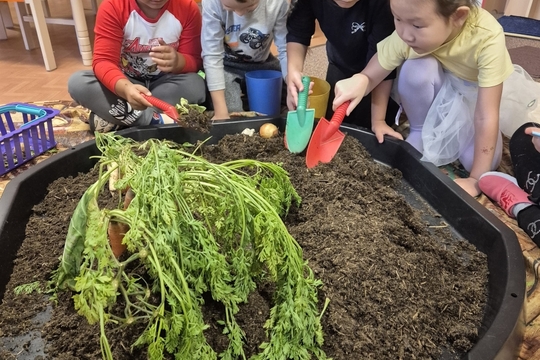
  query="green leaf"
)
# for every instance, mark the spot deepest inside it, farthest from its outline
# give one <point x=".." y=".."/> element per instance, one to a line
<point x="28" y="288"/>
<point x="184" y="106"/>
<point x="74" y="245"/>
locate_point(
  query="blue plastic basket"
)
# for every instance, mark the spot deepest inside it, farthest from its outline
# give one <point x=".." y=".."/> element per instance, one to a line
<point x="29" y="140"/>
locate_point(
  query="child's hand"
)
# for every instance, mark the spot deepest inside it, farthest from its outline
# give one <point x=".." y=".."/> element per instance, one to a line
<point x="353" y="89"/>
<point x="294" y="86"/>
<point x="134" y="97"/>
<point x="535" y="139"/>
<point x="470" y="185"/>
<point x="380" y="128"/>
<point x="165" y="56"/>
<point x="221" y="116"/>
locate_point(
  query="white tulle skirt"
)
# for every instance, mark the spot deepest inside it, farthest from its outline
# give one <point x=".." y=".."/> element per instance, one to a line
<point x="449" y="127"/>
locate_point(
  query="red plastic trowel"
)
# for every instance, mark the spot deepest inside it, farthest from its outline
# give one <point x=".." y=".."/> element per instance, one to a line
<point x="167" y="108"/>
<point x="327" y="138"/>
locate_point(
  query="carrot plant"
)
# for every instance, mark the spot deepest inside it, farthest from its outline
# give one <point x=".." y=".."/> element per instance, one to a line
<point x="194" y="228"/>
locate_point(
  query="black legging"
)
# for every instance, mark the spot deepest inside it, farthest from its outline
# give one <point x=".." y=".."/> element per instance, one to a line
<point x="526" y="162"/>
<point x="361" y="115"/>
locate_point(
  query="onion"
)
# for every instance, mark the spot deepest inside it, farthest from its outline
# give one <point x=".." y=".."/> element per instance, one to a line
<point x="268" y="130"/>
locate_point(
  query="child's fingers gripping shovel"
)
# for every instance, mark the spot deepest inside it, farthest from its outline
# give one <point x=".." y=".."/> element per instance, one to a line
<point x="326" y="138"/>
<point x="300" y="122"/>
<point x="167" y="108"/>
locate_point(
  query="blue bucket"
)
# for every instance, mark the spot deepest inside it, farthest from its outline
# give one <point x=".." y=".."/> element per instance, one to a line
<point x="264" y="91"/>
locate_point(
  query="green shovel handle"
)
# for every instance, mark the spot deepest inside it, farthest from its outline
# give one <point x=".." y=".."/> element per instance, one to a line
<point x="302" y="100"/>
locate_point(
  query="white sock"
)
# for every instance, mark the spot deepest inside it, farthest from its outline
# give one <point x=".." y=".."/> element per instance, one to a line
<point x="518" y="207"/>
<point x="167" y="119"/>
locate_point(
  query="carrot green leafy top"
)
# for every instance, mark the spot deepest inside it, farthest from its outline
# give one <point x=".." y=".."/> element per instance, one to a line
<point x="194" y="228"/>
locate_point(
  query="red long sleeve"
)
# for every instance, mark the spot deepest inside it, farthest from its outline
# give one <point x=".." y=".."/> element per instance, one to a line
<point x="124" y="36"/>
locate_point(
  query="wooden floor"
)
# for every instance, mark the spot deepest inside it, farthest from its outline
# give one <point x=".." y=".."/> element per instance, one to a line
<point x="23" y="77"/>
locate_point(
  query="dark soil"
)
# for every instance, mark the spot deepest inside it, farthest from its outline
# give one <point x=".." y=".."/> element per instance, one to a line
<point x="400" y="286"/>
<point x="195" y="120"/>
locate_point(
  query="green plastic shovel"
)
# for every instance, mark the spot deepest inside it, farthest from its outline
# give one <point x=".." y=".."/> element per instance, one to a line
<point x="300" y="122"/>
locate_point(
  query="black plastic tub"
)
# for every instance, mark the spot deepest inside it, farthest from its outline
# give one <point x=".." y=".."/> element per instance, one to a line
<point x="501" y="332"/>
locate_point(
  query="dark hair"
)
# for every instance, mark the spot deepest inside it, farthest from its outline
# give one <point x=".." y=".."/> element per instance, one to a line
<point x="447" y="7"/>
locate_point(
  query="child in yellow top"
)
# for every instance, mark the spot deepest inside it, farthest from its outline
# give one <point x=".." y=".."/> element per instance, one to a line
<point x="453" y="61"/>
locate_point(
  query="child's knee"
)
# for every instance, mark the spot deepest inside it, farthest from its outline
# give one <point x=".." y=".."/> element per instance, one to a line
<point x="233" y="97"/>
<point x="233" y="92"/>
<point x="419" y="73"/>
<point x="196" y="89"/>
<point x="78" y="84"/>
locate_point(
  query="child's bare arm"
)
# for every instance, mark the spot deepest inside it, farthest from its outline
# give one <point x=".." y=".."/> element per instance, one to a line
<point x="486" y="130"/>
<point x="379" y="103"/>
<point x="221" y="111"/>
<point x="359" y="85"/>
<point x="486" y="127"/>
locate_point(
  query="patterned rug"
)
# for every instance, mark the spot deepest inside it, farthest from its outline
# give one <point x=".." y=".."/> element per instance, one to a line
<point x="527" y="57"/>
<point x="71" y="129"/>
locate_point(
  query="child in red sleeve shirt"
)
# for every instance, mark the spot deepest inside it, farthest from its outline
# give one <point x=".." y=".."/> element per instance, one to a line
<point x="141" y="46"/>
